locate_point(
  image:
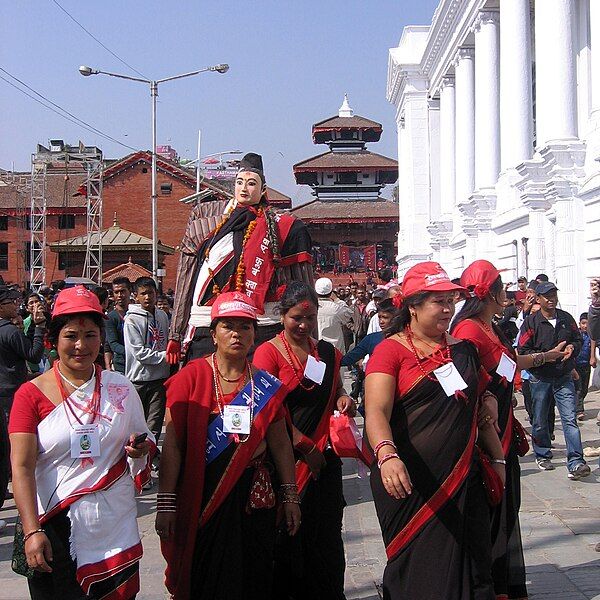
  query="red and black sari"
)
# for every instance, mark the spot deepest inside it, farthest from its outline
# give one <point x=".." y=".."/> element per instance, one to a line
<point x="311" y="564"/>
<point x="438" y="538"/>
<point x="221" y="549"/>
<point x="508" y="567"/>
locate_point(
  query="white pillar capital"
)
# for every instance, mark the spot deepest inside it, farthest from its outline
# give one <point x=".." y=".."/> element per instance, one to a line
<point x="485" y="17"/>
<point x="447" y="81"/>
<point x="466" y="52"/>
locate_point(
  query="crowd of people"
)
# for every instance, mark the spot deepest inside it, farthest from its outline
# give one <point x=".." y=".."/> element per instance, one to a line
<point x="225" y="394"/>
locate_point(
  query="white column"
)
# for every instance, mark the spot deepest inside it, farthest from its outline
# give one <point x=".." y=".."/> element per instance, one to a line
<point x="595" y="47"/>
<point x="465" y="123"/>
<point x="555" y="51"/>
<point x="516" y="106"/>
<point x="447" y="148"/>
<point x="487" y="100"/>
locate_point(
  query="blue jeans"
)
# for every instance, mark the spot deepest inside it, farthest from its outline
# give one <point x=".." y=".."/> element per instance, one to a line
<point x="563" y="391"/>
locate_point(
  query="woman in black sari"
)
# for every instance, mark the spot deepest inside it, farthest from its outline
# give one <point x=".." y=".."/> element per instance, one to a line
<point x="474" y="323"/>
<point x="423" y="405"/>
<point x="311" y="564"/>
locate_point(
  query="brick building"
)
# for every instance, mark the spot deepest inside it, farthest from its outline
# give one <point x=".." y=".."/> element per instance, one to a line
<point x="126" y="198"/>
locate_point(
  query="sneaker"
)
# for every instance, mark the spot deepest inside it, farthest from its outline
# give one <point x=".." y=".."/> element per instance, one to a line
<point x="544" y="464"/>
<point x="148" y="486"/>
<point x="3" y="525"/>
<point x="580" y="416"/>
<point x="579" y="471"/>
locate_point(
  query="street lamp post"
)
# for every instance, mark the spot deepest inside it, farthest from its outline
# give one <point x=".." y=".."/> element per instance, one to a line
<point x="153" y="83"/>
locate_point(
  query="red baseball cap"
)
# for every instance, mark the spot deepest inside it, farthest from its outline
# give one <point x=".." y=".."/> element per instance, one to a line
<point x="77" y="299"/>
<point x="427" y="277"/>
<point x="479" y="277"/>
<point x="233" y="304"/>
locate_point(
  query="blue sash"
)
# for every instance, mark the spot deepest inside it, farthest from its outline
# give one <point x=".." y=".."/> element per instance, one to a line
<point x="265" y="387"/>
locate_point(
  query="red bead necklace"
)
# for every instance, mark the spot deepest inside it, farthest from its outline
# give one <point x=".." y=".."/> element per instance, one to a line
<point x="443" y="350"/>
<point x="290" y="353"/>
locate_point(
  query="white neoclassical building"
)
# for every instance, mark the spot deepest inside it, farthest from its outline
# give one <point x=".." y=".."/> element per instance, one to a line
<point x="498" y="114"/>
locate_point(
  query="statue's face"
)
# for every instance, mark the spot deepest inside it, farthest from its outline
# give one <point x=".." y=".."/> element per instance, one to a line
<point x="248" y="188"/>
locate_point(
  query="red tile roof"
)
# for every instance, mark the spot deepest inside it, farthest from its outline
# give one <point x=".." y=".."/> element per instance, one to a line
<point x="129" y="269"/>
<point x="347" y="161"/>
<point x="355" y="122"/>
<point x="318" y="211"/>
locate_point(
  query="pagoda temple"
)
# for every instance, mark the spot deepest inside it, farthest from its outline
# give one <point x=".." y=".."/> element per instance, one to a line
<point x="354" y="230"/>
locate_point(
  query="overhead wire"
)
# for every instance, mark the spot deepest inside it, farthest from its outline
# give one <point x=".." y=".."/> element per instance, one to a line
<point x="97" y="40"/>
<point x="71" y="117"/>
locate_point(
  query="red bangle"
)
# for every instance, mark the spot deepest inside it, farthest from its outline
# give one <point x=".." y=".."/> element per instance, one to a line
<point x="305" y="445"/>
<point x="385" y="458"/>
<point x="383" y="443"/>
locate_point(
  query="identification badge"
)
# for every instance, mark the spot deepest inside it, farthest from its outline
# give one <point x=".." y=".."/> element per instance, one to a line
<point x="506" y="367"/>
<point x="85" y="441"/>
<point x="236" y="419"/>
<point x="314" y="370"/>
<point x="450" y="379"/>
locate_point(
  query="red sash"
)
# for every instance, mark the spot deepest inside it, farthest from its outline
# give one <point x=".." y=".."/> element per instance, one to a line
<point x="448" y="488"/>
<point x="258" y="260"/>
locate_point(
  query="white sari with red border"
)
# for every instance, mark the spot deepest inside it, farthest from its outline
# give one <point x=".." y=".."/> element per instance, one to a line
<point x="98" y="492"/>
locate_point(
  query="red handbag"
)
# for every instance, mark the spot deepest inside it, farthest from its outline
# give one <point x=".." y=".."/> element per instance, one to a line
<point x="346" y="440"/>
<point x="520" y="438"/>
<point x="492" y="482"/>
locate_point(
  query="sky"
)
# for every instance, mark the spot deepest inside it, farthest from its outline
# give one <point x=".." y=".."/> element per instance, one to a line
<point x="290" y="64"/>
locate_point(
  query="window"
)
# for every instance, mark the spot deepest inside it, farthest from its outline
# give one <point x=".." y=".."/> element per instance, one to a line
<point x="3" y="223"/>
<point x="66" y="261"/>
<point x="3" y="256"/>
<point x="66" y="221"/>
<point x="347" y="178"/>
<point x="28" y="222"/>
<point x="166" y="189"/>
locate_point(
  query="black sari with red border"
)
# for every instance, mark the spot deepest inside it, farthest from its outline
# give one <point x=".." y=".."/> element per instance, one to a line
<point x="508" y="563"/>
<point x="438" y="538"/>
<point x="312" y="563"/>
<point x="211" y="500"/>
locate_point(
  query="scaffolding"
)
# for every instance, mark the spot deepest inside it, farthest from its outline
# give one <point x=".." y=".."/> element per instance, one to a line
<point x="90" y="160"/>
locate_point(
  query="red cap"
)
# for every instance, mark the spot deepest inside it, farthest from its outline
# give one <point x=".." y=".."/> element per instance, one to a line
<point x="233" y="304"/>
<point x="427" y="277"/>
<point x="479" y="277"/>
<point x="77" y="299"/>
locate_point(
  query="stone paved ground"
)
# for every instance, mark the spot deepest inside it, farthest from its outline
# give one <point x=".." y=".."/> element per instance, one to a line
<point x="560" y="522"/>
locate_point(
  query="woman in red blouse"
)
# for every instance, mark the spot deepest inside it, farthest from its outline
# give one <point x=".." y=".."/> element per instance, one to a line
<point x="475" y="323"/>
<point x="312" y="564"/>
<point x="216" y="509"/>
<point x="423" y="392"/>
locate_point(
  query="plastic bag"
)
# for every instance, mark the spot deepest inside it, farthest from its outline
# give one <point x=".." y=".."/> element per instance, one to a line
<point x="346" y="440"/>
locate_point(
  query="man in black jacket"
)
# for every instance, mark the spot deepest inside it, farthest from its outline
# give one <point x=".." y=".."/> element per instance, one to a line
<point x="540" y="332"/>
<point x="15" y="350"/>
<point x="121" y="288"/>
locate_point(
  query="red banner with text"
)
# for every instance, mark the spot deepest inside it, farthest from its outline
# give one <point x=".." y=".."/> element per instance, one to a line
<point x="359" y="257"/>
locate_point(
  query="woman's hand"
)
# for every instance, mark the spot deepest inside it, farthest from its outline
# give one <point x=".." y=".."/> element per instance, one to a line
<point x="488" y="411"/>
<point x="501" y="470"/>
<point x="38" y="552"/>
<point x="345" y="404"/>
<point x="557" y="353"/>
<point x="165" y="525"/>
<point x="395" y="478"/>
<point x="315" y="461"/>
<point x="292" y="516"/>
<point x="139" y="450"/>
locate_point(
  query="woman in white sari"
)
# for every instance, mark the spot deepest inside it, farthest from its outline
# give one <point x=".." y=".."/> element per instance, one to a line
<point x="76" y="463"/>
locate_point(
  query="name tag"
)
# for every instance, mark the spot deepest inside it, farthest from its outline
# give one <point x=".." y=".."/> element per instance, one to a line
<point x="314" y="370"/>
<point x="236" y="419"/>
<point x="85" y="441"/>
<point x="450" y="379"/>
<point x="506" y="367"/>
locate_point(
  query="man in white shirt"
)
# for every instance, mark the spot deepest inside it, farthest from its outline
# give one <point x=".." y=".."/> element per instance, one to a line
<point x="333" y="316"/>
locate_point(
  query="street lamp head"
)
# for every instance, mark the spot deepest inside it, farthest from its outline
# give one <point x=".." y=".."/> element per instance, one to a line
<point x="87" y="71"/>
<point x="223" y="68"/>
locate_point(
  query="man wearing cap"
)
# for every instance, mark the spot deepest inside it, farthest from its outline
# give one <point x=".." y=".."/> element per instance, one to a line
<point x="16" y="349"/>
<point x="333" y="315"/>
<point x="240" y="246"/>
<point x="540" y="332"/>
<point x="521" y="291"/>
